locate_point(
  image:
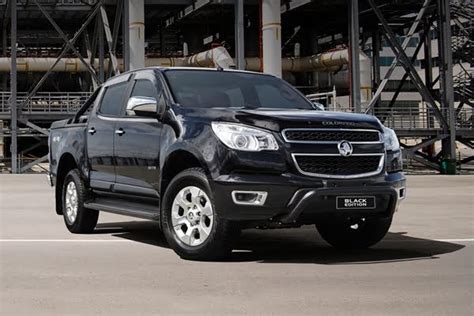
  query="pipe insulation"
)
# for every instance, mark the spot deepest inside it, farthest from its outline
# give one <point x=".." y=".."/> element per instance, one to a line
<point x="332" y="61"/>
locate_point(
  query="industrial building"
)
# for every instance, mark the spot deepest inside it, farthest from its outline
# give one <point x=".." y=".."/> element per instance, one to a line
<point x="409" y="62"/>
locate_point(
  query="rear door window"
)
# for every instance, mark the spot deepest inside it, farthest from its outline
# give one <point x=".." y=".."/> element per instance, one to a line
<point x="111" y="104"/>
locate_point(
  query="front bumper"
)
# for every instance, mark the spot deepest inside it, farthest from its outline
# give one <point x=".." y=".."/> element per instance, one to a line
<point x="299" y="199"/>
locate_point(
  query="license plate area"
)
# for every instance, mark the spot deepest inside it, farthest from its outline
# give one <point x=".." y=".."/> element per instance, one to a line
<point x="355" y="202"/>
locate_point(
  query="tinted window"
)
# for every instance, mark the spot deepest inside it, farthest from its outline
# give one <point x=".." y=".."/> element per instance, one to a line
<point x="144" y="88"/>
<point x="270" y="94"/>
<point x="202" y="88"/>
<point x="113" y="99"/>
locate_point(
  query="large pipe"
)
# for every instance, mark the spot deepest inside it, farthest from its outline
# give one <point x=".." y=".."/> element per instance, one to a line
<point x="341" y="79"/>
<point x="333" y="62"/>
<point x="271" y="37"/>
<point x="217" y="57"/>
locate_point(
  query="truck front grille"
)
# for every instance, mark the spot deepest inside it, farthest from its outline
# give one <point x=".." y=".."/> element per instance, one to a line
<point x="317" y="135"/>
<point x="336" y="166"/>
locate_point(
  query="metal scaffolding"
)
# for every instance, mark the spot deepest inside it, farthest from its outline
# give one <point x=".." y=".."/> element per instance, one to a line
<point x="107" y="36"/>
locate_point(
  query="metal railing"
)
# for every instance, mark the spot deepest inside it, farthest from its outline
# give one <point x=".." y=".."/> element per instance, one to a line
<point x="409" y="118"/>
<point x="46" y="102"/>
<point x="53" y="2"/>
<point x="397" y="117"/>
<point x="328" y="99"/>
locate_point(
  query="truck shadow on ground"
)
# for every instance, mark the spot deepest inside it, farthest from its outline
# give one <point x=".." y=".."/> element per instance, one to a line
<point x="302" y="245"/>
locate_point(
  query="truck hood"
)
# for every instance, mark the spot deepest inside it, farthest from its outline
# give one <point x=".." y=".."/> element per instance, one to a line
<point x="277" y="120"/>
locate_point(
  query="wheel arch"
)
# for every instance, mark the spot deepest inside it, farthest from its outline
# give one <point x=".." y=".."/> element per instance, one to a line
<point x="177" y="161"/>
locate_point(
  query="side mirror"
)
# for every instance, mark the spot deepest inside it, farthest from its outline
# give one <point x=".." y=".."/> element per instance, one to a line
<point x="318" y="106"/>
<point x="142" y="106"/>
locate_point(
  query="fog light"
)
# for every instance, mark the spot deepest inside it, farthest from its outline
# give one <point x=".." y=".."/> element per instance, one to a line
<point x="257" y="198"/>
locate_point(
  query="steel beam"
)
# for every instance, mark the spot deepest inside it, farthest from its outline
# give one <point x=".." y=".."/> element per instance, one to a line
<point x="376" y="41"/>
<point x="33" y="163"/>
<point x="293" y="4"/>
<point x="35" y="127"/>
<point x="239" y="34"/>
<point x="108" y="37"/>
<point x="446" y="76"/>
<point x="354" y="64"/>
<point x="101" y="53"/>
<point x="196" y="5"/>
<point x="411" y="150"/>
<point x="89" y="52"/>
<point x="95" y="40"/>
<point x="394" y="64"/>
<point x="428" y="62"/>
<point x="405" y="62"/>
<point x="40" y="142"/>
<point x="115" y="33"/>
<point x="126" y="35"/>
<point x="65" y="49"/>
<point x="13" y="89"/>
<point x="425" y="162"/>
<point x="405" y="75"/>
<point x="66" y="39"/>
<point x="4" y="49"/>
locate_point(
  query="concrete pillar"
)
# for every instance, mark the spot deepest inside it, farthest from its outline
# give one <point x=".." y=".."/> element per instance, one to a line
<point x="446" y="86"/>
<point x="4" y="79"/>
<point x="136" y="32"/>
<point x="271" y="37"/>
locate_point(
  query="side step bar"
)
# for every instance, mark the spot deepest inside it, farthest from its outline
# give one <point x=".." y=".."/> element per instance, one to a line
<point x="127" y="208"/>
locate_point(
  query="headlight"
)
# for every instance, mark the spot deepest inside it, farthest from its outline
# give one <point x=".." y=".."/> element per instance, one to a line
<point x="245" y="138"/>
<point x="390" y="139"/>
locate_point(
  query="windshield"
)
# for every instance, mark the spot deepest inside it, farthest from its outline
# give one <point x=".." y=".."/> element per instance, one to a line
<point x="230" y="89"/>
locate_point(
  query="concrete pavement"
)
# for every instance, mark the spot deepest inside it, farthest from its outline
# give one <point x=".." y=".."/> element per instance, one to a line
<point x="424" y="266"/>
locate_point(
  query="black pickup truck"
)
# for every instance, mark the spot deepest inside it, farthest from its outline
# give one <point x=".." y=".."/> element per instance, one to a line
<point x="208" y="152"/>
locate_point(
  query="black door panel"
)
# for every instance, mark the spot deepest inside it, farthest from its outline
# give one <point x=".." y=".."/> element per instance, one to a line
<point x="100" y="150"/>
<point x="100" y="136"/>
<point x="137" y="153"/>
<point x="137" y="143"/>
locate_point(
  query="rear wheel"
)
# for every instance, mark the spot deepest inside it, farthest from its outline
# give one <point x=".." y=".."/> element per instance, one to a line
<point x="351" y="233"/>
<point x="191" y="222"/>
<point x="77" y="218"/>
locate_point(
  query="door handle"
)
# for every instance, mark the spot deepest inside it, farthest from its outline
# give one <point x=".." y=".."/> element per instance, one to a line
<point x="119" y="132"/>
<point x="92" y="131"/>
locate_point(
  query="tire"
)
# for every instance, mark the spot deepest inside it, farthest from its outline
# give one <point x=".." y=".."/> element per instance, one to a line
<point x="340" y="234"/>
<point x="78" y="219"/>
<point x="190" y="221"/>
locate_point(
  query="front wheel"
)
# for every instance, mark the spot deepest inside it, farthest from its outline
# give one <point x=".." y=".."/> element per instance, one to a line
<point x="191" y="223"/>
<point x="354" y="234"/>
